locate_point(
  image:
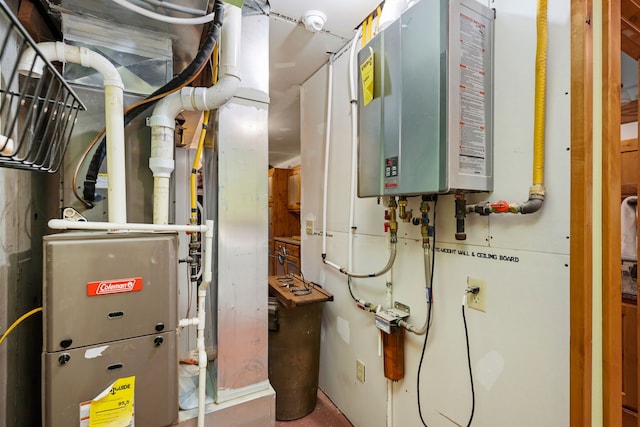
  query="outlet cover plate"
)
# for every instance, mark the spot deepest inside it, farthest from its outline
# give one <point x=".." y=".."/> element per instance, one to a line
<point x="477" y="301"/>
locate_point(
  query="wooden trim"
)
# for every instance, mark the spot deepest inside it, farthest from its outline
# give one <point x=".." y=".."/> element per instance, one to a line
<point x="611" y="184"/>
<point x="581" y="217"/>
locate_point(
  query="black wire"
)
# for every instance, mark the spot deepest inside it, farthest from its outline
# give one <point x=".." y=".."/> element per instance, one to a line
<point x="426" y="335"/>
<point x="204" y="53"/>
<point x="473" y="393"/>
<point x="349" y="284"/>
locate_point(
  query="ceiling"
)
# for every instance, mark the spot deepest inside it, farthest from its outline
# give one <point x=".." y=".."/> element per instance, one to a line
<point x="295" y="55"/>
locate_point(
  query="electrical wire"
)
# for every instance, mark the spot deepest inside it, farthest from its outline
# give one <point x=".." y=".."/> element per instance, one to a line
<point x="17" y="322"/>
<point x="163" y="18"/>
<point x="473" y="393"/>
<point x="430" y="293"/>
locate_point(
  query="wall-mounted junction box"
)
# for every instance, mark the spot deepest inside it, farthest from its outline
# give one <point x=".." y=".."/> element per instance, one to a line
<point x="426" y="102"/>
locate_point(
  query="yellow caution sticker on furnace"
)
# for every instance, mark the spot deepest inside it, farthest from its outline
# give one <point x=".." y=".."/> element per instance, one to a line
<point x="113" y="407"/>
<point x="367" y="75"/>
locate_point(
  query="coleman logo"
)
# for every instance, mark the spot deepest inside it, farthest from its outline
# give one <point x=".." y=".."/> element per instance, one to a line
<point x="107" y="287"/>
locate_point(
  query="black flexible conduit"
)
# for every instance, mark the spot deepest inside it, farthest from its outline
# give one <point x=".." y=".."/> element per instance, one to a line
<point x="203" y="55"/>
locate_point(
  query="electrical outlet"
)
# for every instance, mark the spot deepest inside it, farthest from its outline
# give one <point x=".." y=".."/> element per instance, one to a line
<point x="477" y="301"/>
<point x="360" y="370"/>
<point x="309" y="226"/>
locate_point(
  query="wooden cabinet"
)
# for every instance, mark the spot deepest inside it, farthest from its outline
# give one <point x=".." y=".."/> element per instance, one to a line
<point x="286" y="253"/>
<point x="282" y="221"/>
<point x="294" y="185"/>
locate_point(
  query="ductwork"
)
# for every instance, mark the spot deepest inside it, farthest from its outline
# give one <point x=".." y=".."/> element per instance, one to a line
<point x="162" y="121"/>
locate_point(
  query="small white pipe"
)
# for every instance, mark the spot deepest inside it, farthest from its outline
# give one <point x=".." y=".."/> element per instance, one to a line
<point x="202" y="357"/>
<point x="164" y="18"/>
<point x="162" y="120"/>
<point x="183" y="323"/>
<point x="354" y="144"/>
<point x="63" y="224"/>
<point x="327" y="150"/>
<point x="113" y="105"/>
<point x="202" y="293"/>
<point x="389" y="403"/>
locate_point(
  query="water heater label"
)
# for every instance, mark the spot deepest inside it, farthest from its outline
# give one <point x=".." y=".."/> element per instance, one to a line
<point x="473" y="103"/>
<point x="107" y="287"/>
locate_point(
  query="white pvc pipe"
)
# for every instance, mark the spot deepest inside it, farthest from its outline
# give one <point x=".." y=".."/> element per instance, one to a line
<point x="389" y="403"/>
<point x="327" y="150"/>
<point x="354" y="144"/>
<point x="113" y="105"/>
<point x="202" y="293"/>
<point x="162" y="120"/>
<point x="63" y="224"/>
<point x="164" y="18"/>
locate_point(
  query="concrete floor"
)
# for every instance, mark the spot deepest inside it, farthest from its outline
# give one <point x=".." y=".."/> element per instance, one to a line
<point x="325" y="414"/>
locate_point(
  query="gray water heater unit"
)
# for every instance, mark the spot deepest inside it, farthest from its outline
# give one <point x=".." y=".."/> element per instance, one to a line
<point x="426" y="102"/>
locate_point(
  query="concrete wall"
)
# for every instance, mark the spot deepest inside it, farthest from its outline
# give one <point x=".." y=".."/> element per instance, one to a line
<point x="520" y="346"/>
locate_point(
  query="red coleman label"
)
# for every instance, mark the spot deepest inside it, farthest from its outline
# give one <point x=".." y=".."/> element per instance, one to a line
<point x="106" y="287"/>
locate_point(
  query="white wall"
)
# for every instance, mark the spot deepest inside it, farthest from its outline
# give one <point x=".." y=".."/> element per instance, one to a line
<point x="520" y="346"/>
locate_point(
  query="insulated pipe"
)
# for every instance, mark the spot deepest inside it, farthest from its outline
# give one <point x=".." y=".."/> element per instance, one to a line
<point x="537" y="190"/>
<point x="113" y="105"/>
<point x="162" y="121"/>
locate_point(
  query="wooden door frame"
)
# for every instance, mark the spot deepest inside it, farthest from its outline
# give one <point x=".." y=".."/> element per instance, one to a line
<point x="581" y="245"/>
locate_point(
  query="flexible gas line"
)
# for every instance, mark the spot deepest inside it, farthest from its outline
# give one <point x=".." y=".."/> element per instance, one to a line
<point x="17" y="322"/>
<point x="537" y="190"/>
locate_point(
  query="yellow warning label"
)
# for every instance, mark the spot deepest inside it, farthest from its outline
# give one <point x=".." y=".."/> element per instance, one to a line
<point x="367" y="75"/>
<point x="114" y="406"/>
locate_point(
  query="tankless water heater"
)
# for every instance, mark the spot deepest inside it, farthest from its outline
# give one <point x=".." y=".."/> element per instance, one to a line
<point x="426" y="102"/>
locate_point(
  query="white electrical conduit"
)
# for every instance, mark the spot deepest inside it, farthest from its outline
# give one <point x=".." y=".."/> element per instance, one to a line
<point x="163" y="18"/>
<point x="162" y="121"/>
<point x="113" y="105"/>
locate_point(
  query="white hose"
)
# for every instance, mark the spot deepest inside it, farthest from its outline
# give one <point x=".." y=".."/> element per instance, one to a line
<point x="113" y="104"/>
<point x="163" y="18"/>
<point x="327" y="151"/>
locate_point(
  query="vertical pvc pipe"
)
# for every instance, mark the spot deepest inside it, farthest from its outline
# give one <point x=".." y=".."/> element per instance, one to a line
<point x="327" y="151"/>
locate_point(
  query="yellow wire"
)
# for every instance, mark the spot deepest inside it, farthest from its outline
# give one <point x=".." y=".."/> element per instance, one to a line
<point x="369" y="27"/>
<point x="540" y="99"/>
<point x="17" y="322"/>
